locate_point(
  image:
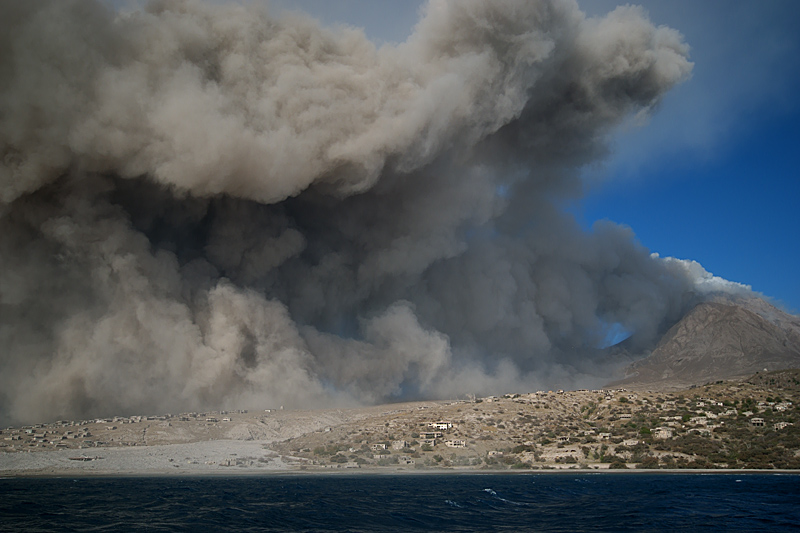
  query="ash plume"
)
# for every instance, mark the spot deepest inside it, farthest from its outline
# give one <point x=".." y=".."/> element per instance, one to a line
<point x="205" y="206"/>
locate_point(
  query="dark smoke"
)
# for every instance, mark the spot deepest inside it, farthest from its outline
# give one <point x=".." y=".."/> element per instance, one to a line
<point x="201" y="205"/>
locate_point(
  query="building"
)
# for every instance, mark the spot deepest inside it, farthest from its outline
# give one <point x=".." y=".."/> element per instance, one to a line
<point x="662" y="433"/>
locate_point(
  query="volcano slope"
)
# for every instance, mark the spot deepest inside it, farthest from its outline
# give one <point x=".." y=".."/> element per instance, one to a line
<point x="719" y="340"/>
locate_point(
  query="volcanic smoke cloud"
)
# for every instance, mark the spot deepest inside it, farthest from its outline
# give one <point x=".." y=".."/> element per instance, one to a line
<point x="203" y="206"/>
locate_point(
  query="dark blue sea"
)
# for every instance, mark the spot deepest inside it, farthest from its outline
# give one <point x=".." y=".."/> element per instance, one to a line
<point x="469" y="502"/>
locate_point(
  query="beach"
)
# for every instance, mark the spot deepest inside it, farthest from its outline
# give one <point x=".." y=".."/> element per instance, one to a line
<point x="210" y="457"/>
<point x="241" y="458"/>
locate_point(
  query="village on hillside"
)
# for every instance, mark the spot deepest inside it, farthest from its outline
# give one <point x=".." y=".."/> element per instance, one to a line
<point x="753" y="424"/>
<point x="749" y="424"/>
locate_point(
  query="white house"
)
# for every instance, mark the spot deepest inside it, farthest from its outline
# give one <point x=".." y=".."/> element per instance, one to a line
<point x="662" y="433"/>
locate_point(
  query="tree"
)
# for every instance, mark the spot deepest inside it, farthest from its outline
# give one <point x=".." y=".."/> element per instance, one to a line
<point x="648" y="462"/>
<point x="618" y="463"/>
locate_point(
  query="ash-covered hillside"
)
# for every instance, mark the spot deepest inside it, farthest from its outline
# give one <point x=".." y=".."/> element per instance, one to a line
<point x="722" y="339"/>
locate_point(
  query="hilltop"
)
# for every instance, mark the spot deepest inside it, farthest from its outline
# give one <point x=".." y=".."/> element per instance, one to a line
<point x="751" y="423"/>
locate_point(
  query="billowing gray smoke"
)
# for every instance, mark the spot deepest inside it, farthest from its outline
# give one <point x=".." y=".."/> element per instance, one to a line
<point x="201" y="205"/>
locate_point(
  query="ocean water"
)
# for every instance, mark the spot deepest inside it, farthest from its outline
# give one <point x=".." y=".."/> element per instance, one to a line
<point x="430" y="502"/>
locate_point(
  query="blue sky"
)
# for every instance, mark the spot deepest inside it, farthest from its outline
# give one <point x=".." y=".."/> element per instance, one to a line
<point x="713" y="175"/>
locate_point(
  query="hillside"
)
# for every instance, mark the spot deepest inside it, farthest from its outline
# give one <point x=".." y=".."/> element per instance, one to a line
<point x="754" y="423"/>
<point x="719" y="340"/>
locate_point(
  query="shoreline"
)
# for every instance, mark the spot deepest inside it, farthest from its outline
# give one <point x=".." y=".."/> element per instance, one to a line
<point x="390" y="473"/>
<point x="113" y="467"/>
<point x="247" y="458"/>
